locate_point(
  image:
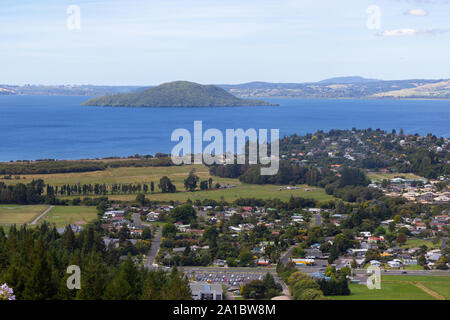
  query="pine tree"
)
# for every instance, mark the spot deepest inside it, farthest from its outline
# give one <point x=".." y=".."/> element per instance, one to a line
<point x="124" y="285"/>
<point x="177" y="287"/>
<point x="94" y="278"/>
<point x="68" y="239"/>
<point x="153" y="287"/>
<point x="40" y="283"/>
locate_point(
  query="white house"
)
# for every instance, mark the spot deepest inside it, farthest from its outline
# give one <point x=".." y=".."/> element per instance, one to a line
<point x="365" y="234"/>
<point x="375" y="263"/>
<point x="394" y="264"/>
<point x="114" y="213"/>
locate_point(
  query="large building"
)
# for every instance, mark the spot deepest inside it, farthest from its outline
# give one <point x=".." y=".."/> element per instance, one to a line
<point x="206" y="291"/>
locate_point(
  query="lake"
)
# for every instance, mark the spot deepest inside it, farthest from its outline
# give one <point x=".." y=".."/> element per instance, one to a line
<point x="38" y="127"/>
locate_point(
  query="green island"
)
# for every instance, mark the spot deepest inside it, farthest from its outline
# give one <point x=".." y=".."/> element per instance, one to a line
<point x="176" y="94"/>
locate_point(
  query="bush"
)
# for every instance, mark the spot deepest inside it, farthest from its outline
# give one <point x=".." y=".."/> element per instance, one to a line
<point x="312" y="294"/>
<point x="301" y="286"/>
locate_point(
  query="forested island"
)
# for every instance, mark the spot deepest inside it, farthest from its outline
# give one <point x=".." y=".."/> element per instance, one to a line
<point x="176" y="94"/>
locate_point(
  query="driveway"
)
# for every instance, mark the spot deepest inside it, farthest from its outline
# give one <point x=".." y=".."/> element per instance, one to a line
<point x="35" y="221"/>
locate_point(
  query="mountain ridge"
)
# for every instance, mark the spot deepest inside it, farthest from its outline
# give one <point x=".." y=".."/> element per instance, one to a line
<point x="338" y="87"/>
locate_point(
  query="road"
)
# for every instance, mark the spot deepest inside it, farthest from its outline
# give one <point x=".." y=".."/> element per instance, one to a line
<point x="444" y="244"/>
<point x="154" y="249"/>
<point x="285" y="258"/>
<point x="317" y="220"/>
<point x="137" y="220"/>
<point x="35" y="221"/>
<point x="156" y="242"/>
<point x="361" y="272"/>
<point x="408" y="272"/>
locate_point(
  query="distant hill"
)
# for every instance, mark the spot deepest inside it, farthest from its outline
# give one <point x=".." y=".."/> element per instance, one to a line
<point x="347" y="80"/>
<point x="65" y="90"/>
<point x="4" y="91"/>
<point x="440" y="89"/>
<point x="334" y="88"/>
<point x="176" y="94"/>
<point x="345" y="87"/>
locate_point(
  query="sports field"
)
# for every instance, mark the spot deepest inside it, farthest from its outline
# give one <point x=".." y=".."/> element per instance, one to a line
<point x="64" y="215"/>
<point x="379" y="176"/>
<point x="402" y="288"/>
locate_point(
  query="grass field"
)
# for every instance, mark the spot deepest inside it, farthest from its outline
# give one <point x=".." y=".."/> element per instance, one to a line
<point x="18" y="214"/>
<point x="413" y="267"/>
<point x="439" y="284"/>
<point x="441" y="288"/>
<point x="380" y="176"/>
<point x="388" y="291"/>
<point x="416" y="243"/>
<point x="64" y="215"/>
<point x="177" y="174"/>
<point x="240" y="191"/>
<point x="401" y="288"/>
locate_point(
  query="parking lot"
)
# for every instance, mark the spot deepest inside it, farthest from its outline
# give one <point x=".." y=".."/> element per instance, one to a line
<point x="230" y="279"/>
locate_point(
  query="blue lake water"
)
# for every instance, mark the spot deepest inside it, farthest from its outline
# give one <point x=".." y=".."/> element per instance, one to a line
<point x="37" y="127"/>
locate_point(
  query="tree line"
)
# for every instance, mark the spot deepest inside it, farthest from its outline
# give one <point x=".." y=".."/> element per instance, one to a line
<point x="52" y="166"/>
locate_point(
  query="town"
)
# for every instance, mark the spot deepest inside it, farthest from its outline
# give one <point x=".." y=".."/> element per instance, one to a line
<point x="341" y="202"/>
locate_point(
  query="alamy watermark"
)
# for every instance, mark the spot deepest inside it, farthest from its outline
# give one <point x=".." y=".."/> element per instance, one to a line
<point x="73" y="21"/>
<point x="373" y="21"/>
<point x="74" y="280"/>
<point x="213" y="153"/>
<point x="374" y="279"/>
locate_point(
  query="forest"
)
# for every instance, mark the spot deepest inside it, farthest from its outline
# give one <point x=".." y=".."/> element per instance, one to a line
<point x="34" y="262"/>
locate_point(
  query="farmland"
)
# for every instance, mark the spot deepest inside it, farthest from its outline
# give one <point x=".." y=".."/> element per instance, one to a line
<point x="58" y="215"/>
<point x="17" y="214"/>
<point x="177" y="174"/>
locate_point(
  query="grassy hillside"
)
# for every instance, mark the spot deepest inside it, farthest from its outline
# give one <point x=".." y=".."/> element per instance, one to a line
<point x="430" y="90"/>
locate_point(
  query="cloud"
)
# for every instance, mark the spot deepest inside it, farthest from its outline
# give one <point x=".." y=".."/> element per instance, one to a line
<point x="411" y="32"/>
<point x="417" y="12"/>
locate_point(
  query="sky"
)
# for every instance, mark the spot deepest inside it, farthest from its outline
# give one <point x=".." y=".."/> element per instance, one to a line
<point x="147" y="42"/>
